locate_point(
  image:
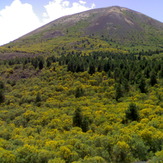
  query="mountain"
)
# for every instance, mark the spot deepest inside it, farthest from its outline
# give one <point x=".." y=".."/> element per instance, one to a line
<point x="115" y="27"/>
<point x="117" y="23"/>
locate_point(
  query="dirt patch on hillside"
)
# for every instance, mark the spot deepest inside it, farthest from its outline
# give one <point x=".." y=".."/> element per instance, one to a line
<point x="19" y="73"/>
<point x="53" y="34"/>
<point x="13" y="55"/>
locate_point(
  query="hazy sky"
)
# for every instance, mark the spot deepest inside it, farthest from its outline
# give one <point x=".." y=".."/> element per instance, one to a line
<point x="18" y="17"/>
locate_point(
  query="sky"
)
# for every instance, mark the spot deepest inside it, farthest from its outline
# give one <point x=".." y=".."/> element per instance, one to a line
<point x="19" y="17"/>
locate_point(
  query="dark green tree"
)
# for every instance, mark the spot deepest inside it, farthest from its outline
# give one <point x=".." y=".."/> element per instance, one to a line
<point x="85" y="124"/>
<point x="41" y="64"/>
<point x="153" y="79"/>
<point x="118" y="92"/>
<point x="2" y="96"/>
<point x="79" y="68"/>
<point x="147" y="72"/>
<point x="48" y="63"/>
<point x="34" y="62"/>
<point x="1" y="85"/>
<point x="125" y="85"/>
<point x="70" y="67"/>
<point x="38" y="97"/>
<point x="80" y="121"/>
<point x="106" y="67"/>
<point x="77" y="118"/>
<point x="116" y="73"/>
<point x="132" y="112"/>
<point x="142" y="85"/>
<point x="79" y="92"/>
<point x="100" y="67"/>
<point x="91" y="69"/>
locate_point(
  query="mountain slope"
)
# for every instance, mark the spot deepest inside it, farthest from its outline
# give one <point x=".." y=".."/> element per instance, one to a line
<point x="115" y="22"/>
<point x="112" y="26"/>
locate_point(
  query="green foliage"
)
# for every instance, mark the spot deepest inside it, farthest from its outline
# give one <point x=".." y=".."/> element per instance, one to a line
<point x="7" y="156"/>
<point x="157" y="158"/>
<point x="27" y="154"/>
<point x="121" y="152"/>
<point x="140" y="150"/>
<point x="65" y="111"/>
<point x="57" y="160"/>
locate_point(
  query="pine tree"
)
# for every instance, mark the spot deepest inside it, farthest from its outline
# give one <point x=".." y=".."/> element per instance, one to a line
<point x="85" y="124"/>
<point x="106" y="67"/>
<point x="38" y="97"/>
<point x="153" y="79"/>
<point x="125" y="85"/>
<point x="41" y="65"/>
<point x="142" y="85"/>
<point x="1" y="85"/>
<point x="77" y="118"/>
<point x="79" y="92"/>
<point x="48" y="62"/>
<point x="118" y="92"/>
<point x="2" y="97"/>
<point x="132" y="112"/>
<point x="80" y="121"/>
<point x="91" y="69"/>
<point x="34" y="62"/>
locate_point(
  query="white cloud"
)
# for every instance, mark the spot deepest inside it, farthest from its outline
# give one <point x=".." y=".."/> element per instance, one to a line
<point x="58" y="8"/>
<point x="17" y="20"/>
<point x="82" y="2"/>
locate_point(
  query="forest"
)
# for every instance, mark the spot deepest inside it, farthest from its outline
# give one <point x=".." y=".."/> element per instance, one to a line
<point x="82" y="106"/>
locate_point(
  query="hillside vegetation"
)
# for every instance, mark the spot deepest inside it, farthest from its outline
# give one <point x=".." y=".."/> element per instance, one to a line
<point x="81" y="98"/>
<point x="101" y="107"/>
